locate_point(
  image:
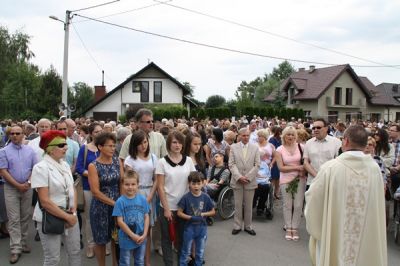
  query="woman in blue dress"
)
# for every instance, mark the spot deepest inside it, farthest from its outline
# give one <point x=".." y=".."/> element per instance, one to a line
<point x="276" y="141"/>
<point x="104" y="180"/>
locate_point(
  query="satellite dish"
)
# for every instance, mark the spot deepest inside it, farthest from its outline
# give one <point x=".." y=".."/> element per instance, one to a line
<point x="61" y="106"/>
<point x="71" y="107"/>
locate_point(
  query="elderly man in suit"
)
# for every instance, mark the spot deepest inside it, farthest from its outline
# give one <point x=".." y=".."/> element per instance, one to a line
<point x="244" y="163"/>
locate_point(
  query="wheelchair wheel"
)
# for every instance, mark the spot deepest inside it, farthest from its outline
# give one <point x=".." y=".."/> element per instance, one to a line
<point x="269" y="213"/>
<point x="397" y="225"/>
<point x="226" y="203"/>
<point x="397" y="233"/>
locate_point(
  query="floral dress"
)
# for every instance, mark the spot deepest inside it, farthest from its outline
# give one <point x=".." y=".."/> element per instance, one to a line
<point x="101" y="219"/>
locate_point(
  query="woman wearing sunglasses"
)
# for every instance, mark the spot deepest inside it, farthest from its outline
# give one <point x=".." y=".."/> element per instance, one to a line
<point x="54" y="183"/>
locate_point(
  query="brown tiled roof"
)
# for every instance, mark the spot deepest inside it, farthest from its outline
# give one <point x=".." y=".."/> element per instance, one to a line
<point x="383" y="93"/>
<point x="311" y="84"/>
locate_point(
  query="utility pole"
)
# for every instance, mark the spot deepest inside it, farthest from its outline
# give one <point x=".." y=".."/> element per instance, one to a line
<point x="64" y="94"/>
<point x="67" y="22"/>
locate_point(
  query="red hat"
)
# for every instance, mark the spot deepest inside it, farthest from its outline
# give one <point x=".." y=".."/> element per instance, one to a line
<point x="48" y="136"/>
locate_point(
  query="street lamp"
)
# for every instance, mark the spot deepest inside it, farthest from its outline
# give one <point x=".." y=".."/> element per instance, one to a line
<point x="66" y="23"/>
<point x="64" y="94"/>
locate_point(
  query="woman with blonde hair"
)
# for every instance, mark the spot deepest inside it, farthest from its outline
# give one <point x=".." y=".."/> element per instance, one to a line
<point x="302" y="136"/>
<point x="292" y="180"/>
<point x="267" y="160"/>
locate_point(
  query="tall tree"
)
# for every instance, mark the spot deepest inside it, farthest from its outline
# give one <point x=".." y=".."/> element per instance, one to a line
<point x="215" y="101"/>
<point x="189" y="87"/>
<point x="83" y="97"/>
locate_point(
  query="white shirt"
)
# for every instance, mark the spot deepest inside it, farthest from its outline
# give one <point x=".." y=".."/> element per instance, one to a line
<point x="144" y="168"/>
<point x="320" y="151"/>
<point x="35" y="146"/>
<point x="175" y="180"/>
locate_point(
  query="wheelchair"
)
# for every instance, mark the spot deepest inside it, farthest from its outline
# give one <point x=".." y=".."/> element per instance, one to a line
<point x="397" y="221"/>
<point x="224" y="200"/>
<point x="265" y="190"/>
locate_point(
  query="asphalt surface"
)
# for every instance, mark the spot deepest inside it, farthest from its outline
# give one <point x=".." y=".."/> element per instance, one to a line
<point x="268" y="247"/>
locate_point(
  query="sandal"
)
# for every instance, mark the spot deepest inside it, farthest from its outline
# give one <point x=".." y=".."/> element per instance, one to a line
<point x="288" y="235"/>
<point x="295" y="235"/>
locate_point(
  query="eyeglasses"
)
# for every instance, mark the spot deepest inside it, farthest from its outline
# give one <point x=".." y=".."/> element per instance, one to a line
<point x="147" y="122"/>
<point x="64" y="128"/>
<point x="317" y="128"/>
<point x="393" y="130"/>
<point x="15" y="133"/>
<point x="61" y="145"/>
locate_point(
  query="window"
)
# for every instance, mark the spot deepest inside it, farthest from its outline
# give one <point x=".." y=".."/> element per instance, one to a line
<point x="349" y="96"/>
<point x="136" y="86"/>
<point x="307" y="113"/>
<point x="338" y="95"/>
<point x="157" y="91"/>
<point x="333" y="116"/>
<point x="144" y="91"/>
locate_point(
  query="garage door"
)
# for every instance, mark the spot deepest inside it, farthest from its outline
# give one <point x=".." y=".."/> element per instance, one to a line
<point x="111" y="116"/>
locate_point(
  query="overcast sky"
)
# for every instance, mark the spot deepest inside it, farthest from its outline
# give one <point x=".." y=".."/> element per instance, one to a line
<point x="368" y="29"/>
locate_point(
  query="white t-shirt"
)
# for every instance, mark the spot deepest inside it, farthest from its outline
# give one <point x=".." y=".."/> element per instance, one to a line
<point x="144" y="168"/>
<point x="175" y="180"/>
<point x="59" y="187"/>
<point x="35" y="146"/>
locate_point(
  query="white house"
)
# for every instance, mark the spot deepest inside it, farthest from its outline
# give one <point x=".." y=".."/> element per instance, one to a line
<point x="150" y="85"/>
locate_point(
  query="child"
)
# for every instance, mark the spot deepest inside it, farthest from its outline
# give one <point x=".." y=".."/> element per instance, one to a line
<point x="217" y="175"/>
<point x="193" y="207"/>
<point x="132" y="212"/>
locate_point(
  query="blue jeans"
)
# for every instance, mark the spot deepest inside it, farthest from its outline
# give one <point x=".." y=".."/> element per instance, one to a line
<point x="138" y="255"/>
<point x="198" y="234"/>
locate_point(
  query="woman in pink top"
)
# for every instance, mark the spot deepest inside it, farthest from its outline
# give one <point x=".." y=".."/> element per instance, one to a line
<point x="292" y="181"/>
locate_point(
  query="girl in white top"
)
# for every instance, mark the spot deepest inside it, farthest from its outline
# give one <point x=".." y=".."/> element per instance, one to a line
<point x="143" y="163"/>
<point x="172" y="176"/>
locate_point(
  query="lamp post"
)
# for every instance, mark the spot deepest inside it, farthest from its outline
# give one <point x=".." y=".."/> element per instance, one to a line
<point x="64" y="94"/>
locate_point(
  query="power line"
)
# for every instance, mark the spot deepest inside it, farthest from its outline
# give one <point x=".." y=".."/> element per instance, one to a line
<point x="214" y="46"/>
<point x="90" y="7"/>
<point x="89" y="53"/>
<point x="127" y="11"/>
<point x="273" y="34"/>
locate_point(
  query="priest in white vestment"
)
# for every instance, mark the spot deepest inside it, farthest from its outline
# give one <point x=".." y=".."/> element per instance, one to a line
<point x="345" y="208"/>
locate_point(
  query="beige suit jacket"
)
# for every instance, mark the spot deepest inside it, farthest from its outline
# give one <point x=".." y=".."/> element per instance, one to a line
<point x="247" y="167"/>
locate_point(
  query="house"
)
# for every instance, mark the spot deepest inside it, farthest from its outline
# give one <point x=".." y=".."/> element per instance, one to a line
<point x="150" y="85"/>
<point x="337" y="92"/>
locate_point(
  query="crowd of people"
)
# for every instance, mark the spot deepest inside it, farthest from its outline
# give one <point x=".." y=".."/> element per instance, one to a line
<point x="150" y="185"/>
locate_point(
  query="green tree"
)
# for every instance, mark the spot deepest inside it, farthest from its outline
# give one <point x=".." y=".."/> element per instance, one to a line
<point x="82" y="97"/>
<point x="283" y="71"/>
<point x="215" y="101"/>
<point x="189" y="87"/>
<point x="51" y="91"/>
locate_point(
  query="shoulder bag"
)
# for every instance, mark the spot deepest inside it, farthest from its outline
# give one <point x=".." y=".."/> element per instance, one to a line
<point x="79" y="185"/>
<point x="52" y="224"/>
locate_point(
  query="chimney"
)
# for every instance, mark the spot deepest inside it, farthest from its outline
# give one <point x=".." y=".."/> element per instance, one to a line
<point x="302" y="69"/>
<point x="99" y="92"/>
<point x="312" y="68"/>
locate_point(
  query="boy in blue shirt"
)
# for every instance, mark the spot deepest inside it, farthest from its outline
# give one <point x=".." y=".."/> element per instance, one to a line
<point x="194" y="207"/>
<point x="132" y="212"/>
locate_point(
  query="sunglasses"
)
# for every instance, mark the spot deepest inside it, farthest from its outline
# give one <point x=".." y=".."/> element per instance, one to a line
<point x="147" y="122"/>
<point x="317" y="128"/>
<point x="15" y="133"/>
<point x="61" y="145"/>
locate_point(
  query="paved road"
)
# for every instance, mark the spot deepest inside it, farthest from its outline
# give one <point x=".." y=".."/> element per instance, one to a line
<point x="267" y="248"/>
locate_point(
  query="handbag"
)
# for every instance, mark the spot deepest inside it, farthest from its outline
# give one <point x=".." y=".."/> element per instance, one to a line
<point x="52" y="224"/>
<point x="79" y="186"/>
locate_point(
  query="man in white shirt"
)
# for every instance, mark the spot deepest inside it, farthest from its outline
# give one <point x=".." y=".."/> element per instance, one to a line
<point x="319" y="149"/>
